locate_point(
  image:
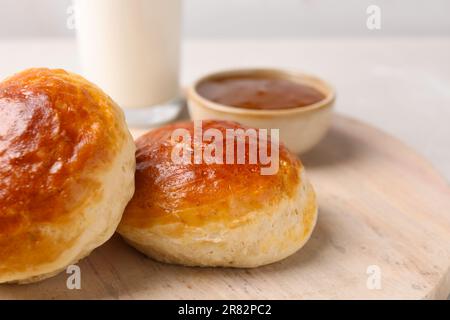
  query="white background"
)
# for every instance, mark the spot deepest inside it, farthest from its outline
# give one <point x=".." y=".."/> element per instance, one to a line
<point x="253" y="18"/>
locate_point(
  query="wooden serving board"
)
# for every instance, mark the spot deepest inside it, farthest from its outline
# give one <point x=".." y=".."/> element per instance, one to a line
<point x="384" y="219"/>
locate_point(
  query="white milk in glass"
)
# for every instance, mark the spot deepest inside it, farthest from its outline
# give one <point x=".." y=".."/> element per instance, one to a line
<point x="130" y="48"/>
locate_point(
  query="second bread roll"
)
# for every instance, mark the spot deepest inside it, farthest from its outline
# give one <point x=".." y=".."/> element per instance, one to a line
<point x="216" y="214"/>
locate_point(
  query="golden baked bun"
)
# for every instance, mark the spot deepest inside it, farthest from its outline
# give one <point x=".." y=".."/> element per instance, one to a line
<point x="216" y="214"/>
<point x="67" y="164"/>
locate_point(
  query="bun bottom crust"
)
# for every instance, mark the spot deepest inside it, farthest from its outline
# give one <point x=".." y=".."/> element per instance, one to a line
<point x="262" y="237"/>
<point x="99" y="219"/>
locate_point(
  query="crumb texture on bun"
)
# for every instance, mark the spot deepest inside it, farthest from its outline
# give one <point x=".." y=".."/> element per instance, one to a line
<point x="216" y="214"/>
<point x="64" y="147"/>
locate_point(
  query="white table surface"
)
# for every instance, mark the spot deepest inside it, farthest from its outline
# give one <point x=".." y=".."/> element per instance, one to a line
<point x="401" y="85"/>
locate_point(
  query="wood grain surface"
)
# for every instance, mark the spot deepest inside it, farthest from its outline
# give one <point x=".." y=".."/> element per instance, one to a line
<point x="382" y="208"/>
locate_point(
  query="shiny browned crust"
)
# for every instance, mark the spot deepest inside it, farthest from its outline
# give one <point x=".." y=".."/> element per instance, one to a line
<point x="195" y="194"/>
<point x="56" y="131"/>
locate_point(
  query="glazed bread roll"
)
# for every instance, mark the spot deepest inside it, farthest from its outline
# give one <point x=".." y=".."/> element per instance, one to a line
<point x="225" y="215"/>
<point x="66" y="172"/>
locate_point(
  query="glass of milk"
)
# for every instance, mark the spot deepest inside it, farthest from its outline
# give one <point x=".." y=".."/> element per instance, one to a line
<point x="131" y="49"/>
